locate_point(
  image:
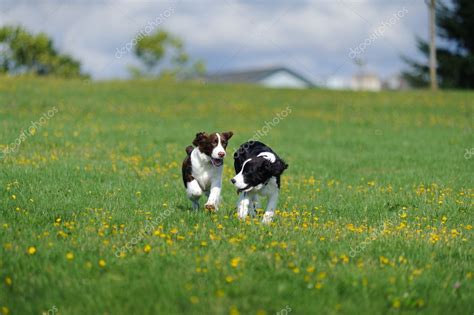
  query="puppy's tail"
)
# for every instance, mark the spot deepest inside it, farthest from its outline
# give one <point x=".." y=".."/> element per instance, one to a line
<point x="189" y="149"/>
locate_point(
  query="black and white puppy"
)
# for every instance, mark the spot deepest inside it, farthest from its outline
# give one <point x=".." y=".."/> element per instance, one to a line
<point x="258" y="169"/>
<point x="202" y="168"/>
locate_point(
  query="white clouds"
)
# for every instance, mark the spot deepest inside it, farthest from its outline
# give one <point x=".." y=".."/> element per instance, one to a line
<point x="313" y="37"/>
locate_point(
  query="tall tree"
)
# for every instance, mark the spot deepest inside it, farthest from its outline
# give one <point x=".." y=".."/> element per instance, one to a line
<point x="455" y="59"/>
<point x="22" y="52"/>
<point x="164" y="53"/>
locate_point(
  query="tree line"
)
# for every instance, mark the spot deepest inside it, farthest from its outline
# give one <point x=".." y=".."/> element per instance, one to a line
<point x="22" y="52"/>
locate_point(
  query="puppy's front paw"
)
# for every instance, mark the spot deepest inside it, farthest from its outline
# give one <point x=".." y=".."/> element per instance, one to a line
<point x="267" y="219"/>
<point x="210" y="207"/>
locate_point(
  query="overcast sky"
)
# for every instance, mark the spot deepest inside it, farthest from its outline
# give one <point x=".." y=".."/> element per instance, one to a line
<point x="311" y="37"/>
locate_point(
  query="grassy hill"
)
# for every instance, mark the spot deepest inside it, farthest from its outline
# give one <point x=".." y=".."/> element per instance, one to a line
<point x="375" y="213"/>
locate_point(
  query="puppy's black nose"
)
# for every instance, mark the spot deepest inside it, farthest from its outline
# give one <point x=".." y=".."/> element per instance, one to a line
<point x="232" y="181"/>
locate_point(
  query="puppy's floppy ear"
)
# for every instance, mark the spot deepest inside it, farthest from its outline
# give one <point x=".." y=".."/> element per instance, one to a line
<point x="227" y="135"/>
<point x="200" y="137"/>
<point x="276" y="168"/>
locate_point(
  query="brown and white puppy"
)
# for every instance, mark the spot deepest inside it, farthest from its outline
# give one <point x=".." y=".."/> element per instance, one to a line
<point x="202" y="168"/>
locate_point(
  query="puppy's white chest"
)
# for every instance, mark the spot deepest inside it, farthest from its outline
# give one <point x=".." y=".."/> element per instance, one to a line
<point x="204" y="172"/>
<point x="204" y="176"/>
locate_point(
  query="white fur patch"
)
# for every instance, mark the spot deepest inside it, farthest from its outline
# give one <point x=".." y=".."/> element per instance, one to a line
<point x="193" y="189"/>
<point x="268" y="156"/>
<point x="239" y="178"/>
<point x="218" y="148"/>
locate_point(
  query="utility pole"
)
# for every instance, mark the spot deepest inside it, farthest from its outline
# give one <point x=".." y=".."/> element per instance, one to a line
<point x="433" y="78"/>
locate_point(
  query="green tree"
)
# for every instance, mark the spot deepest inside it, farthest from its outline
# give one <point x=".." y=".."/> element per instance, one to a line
<point x="22" y="52"/>
<point x="163" y="53"/>
<point x="455" y="69"/>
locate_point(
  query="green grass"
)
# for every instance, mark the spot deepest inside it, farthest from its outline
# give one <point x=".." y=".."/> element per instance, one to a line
<point x="376" y="208"/>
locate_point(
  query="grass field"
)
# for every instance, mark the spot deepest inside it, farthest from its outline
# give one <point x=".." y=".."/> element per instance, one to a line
<point x="375" y="213"/>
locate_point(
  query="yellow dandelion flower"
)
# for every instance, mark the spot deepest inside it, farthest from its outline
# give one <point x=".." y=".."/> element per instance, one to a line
<point x="420" y="302"/>
<point x="8" y="281"/>
<point x="235" y="262"/>
<point x="434" y="238"/>
<point x="69" y="256"/>
<point x="147" y="248"/>
<point x="318" y="285"/>
<point x="229" y="279"/>
<point x="396" y="304"/>
<point x="203" y="244"/>
<point x="102" y="263"/>
<point x="14" y="197"/>
<point x="310" y="269"/>
<point x="365" y="282"/>
<point x="233" y="310"/>
<point x="31" y="250"/>
<point x="194" y="299"/>
<point x="5" y="310"/>
<point x="384" y="260"/>
<point x="344" y="259"/>
<point x="174" y="231"/>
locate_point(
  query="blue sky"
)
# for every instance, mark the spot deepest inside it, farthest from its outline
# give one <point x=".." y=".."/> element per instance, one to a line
<point x="311" y="37"/>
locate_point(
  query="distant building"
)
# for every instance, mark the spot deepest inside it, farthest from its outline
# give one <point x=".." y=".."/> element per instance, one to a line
<point x="277" y="77"/>
<point x="338" y="83"/>
<point x="395" y="82"/>
<point x="366" y="82"/>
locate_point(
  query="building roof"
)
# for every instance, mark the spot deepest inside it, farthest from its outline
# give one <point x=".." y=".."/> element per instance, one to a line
<point x="365" y="75"/>
<point x="251" y="76"/>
